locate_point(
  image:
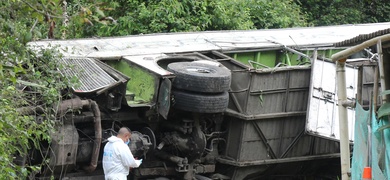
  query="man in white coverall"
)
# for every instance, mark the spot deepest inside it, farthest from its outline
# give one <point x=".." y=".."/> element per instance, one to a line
<point x="117" y="157"/>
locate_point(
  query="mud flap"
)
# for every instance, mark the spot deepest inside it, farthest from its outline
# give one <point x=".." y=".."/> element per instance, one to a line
<point x="164" y="98"/>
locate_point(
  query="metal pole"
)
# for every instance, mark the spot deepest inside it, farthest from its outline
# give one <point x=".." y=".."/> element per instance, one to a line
<point x="343" y="120"/>
<point x="376" y="87"/>
<point x="381" y="69"/>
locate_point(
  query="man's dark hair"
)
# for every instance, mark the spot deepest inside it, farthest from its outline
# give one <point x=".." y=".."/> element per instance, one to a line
<point x="124" y="130"/>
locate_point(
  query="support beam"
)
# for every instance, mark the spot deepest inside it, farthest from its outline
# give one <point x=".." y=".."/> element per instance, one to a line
<point x="265" y="140"/>
<point x="343" y="120"/>
<point x="381" y="69"/>
<point x="275" y="161"/>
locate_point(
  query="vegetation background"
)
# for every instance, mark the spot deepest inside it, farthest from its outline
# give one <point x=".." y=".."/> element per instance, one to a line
<point x="29" y="79"/>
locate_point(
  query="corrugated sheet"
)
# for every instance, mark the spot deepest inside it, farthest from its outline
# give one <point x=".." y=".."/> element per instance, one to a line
<point x="361" y="38"/>
<point x="91" y="77"/>
<point x="280" y="133"/>
<point x="278" y="92"/>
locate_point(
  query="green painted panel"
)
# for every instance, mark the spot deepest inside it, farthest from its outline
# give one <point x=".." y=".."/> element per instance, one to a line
<point x="263" y="59"/>
<point x="141" y="84"/>
<point x="259" y="59"/>
<point x="244" y="57"/>
<point x="268" y="58"/>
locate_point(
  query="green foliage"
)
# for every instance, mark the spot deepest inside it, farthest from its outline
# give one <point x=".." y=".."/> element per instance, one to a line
<point x="31" y="19"/>
<point x="127" y="17"/>
<point x="136" y="17"/>
<point x="267" y="14"/>
<point x="156" y="16"/>
<point x="384" y="110"/>
<point x="28" y="82"/>
<point x="230" y="15"/>
<point x="85" y="16"/>
<point x="27" y="79"/>
<point x="335" y="12"/>
<point x="376" y="11"/>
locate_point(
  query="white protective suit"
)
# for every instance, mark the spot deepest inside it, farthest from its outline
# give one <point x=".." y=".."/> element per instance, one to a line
<point x="117" y="159"/>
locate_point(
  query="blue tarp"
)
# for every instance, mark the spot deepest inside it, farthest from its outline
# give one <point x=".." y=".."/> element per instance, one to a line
<point x="379" y="134"/>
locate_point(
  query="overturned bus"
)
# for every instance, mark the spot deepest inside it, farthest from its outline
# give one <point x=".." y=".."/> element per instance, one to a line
<point x="258" y="104"/>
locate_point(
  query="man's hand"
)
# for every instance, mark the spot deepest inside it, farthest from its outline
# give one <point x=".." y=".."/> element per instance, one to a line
<point x="138" y="162"/>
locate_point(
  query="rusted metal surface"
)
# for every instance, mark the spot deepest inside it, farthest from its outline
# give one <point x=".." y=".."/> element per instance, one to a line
<point x="70" y="105"/>
<point x="63" y="148"/>
<point x="98" y="137"/>
<point x="77" y="104"/>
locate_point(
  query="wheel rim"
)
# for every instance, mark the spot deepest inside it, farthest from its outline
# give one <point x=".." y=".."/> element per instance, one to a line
<point x="199" y="70"/>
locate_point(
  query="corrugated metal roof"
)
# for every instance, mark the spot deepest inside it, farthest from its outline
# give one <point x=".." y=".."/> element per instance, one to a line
<point x="361" y="38"/>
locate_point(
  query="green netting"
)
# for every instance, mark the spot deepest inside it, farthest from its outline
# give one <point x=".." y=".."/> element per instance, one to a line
<point x="379" y="138"/>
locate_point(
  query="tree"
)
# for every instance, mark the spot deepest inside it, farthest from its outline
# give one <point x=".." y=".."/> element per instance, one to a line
<point x="267" y="14"/>
<point x="335" y="12"/>
<point x="376" y="11"/>
<point x="136" y="17"/>
<point x="156" y="16"/>
<point x="28" y="79"/>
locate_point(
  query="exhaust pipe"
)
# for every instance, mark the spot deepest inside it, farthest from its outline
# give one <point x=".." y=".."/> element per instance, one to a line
<point x="98" y="137"/>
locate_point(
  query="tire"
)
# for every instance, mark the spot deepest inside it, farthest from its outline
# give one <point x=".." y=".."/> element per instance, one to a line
<point x="200" y="103"/>
<point x="199" y="177"/>
<point x="199" y="77"/>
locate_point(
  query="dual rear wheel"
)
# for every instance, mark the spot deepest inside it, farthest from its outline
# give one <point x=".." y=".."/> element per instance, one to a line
<point x="200" y="87"/>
